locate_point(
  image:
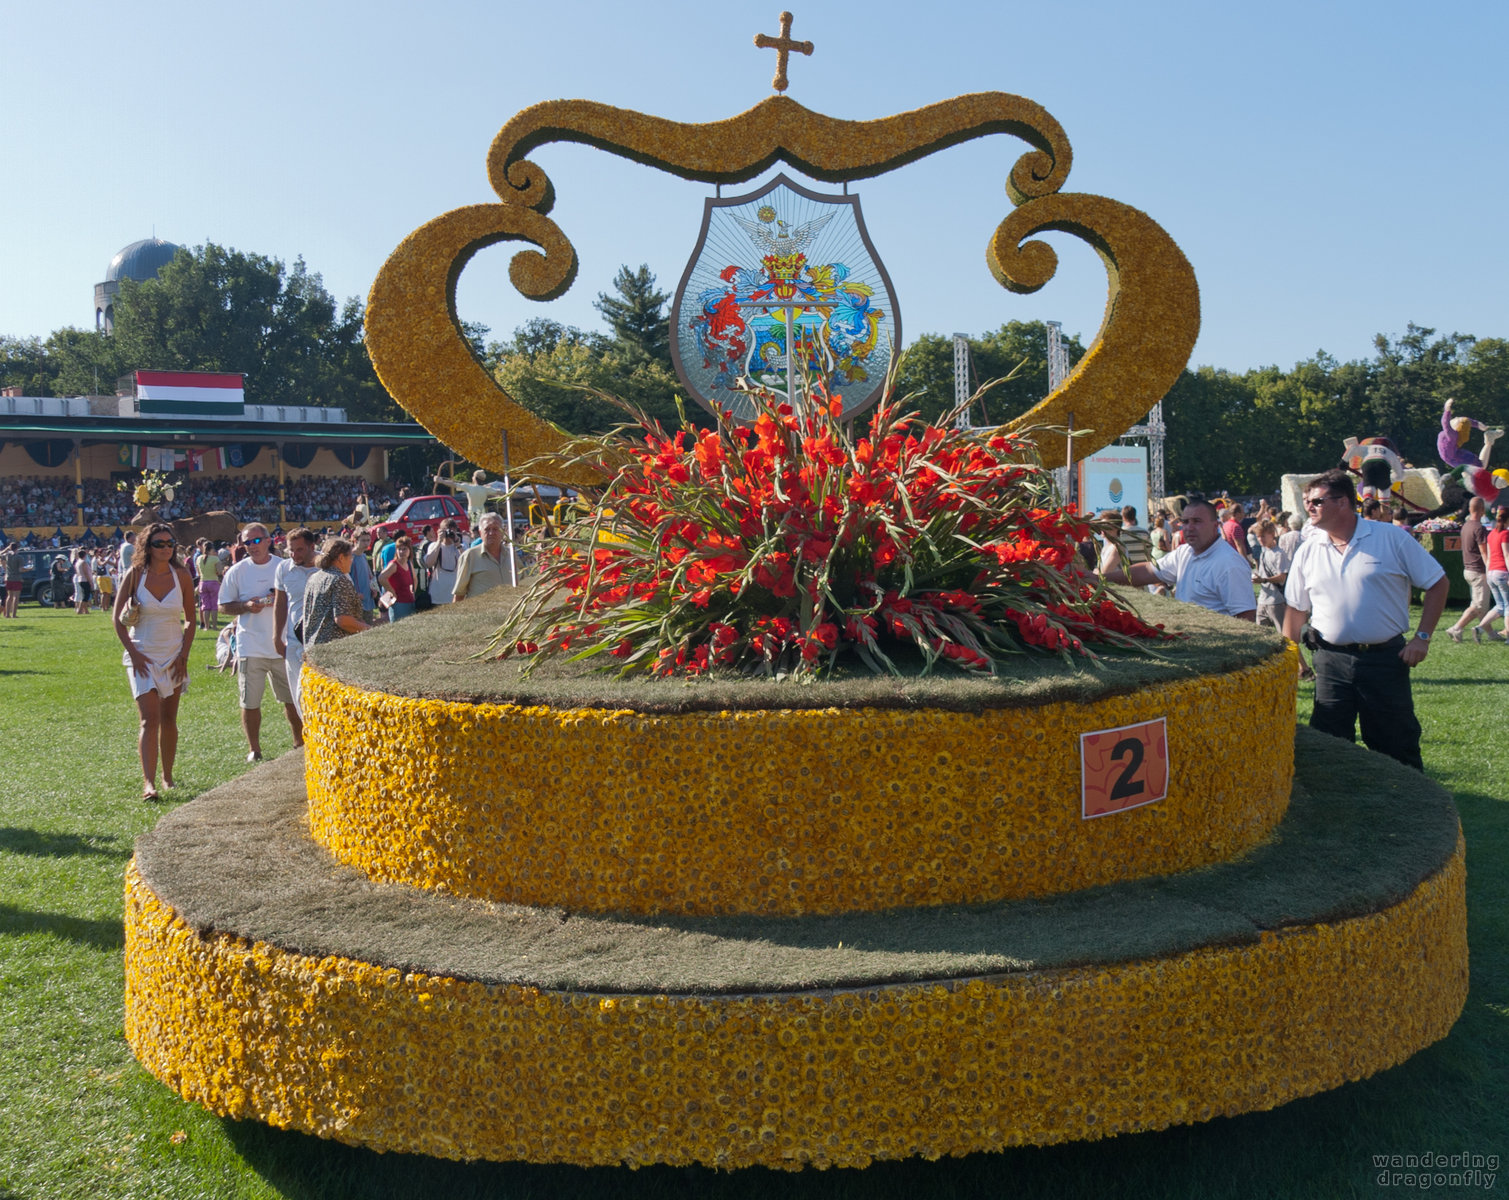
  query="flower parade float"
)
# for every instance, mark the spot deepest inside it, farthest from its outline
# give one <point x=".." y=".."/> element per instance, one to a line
<point x="813" y="806"/>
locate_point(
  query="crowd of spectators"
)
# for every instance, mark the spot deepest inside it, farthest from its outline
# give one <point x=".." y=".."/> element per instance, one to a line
<point x="255" y="497"/>
<point x="39" y="501"/>
<point x="49" y="500"/>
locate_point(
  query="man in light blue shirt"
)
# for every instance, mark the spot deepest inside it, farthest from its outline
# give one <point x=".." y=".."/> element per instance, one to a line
<point x="361" y="575"/>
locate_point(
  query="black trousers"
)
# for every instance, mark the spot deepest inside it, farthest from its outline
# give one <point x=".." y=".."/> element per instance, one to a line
<point x="1372" y="686"/>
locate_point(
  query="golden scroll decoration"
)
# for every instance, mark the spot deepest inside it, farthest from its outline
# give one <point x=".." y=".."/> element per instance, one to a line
<point x="421" y="356"/>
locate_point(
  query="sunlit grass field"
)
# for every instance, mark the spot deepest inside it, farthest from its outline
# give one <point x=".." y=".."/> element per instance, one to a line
<point x="79" y="1118"/>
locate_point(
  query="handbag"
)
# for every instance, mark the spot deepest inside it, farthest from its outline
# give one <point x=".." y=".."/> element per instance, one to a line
<point x="422" y="599"/>
<point x="131" y="613"/>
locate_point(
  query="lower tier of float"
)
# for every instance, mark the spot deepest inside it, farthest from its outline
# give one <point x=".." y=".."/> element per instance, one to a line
<point x="266" y="981"/>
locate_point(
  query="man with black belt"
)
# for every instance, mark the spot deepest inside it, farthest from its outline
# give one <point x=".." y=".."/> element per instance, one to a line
<point x="1352" y="580"/>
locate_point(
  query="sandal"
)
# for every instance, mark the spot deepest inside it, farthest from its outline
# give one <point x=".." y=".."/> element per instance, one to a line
<point x="149" y="794"/>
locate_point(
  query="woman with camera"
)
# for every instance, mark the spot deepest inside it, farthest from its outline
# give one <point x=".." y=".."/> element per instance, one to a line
<point x="442" y="557"/>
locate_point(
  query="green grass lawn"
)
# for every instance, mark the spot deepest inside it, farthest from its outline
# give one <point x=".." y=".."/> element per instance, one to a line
<point x="79" y="1118"/>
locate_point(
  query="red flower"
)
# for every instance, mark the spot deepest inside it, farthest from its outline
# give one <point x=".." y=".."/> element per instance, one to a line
<point x="709" y="455"/>
<point x="811" y="517"/>
<point x="861" y="629"/>
<point x="775" y="574"/>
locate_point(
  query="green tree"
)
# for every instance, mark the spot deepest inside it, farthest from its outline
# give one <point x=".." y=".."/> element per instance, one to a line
<point x="218" y="309"/>
<point x="86" y="362"/>
<point x="1411" y="380"/>
<point x="1482" y="382"/>
<point x="561" y="373"/>
<point x="926" y="371"/>
<point x="637" y="314"/>
<point x="25" y="364"/>
<point x="1204" y="411"/>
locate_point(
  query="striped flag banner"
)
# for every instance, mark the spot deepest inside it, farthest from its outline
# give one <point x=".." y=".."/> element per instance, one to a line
<point x="190" y="392"/>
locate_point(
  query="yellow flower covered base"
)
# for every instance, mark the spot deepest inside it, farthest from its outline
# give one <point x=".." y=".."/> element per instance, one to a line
<point x="246" y="1003"/>
<point x="783" y="811"/>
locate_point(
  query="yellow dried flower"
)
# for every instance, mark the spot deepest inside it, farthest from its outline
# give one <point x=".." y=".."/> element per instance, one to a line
<point x="787" y="812"/>
<point x="836" y="1078"/>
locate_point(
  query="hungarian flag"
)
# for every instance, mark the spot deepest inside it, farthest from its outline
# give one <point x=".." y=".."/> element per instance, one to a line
<point x="190" y="392"/>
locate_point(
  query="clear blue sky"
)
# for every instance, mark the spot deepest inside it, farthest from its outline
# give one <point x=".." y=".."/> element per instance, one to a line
<point x="1332" y="169"/>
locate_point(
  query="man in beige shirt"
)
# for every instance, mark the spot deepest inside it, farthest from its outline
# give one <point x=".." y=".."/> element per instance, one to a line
<point x="483" y="567"/>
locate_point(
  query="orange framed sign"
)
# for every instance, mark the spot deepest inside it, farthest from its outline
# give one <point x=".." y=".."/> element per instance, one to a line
<point x="1123" y="768"/>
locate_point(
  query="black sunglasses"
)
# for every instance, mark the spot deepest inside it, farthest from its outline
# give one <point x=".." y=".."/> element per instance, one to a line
<point x="162" y="545"/>
<point x="255" y="541"/>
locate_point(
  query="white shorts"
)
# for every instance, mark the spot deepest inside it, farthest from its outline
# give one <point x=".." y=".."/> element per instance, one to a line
<point x="293" y="662"/>
<point x="253" y="675"/>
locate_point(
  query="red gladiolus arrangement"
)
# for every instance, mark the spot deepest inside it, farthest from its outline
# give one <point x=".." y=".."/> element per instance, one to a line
<point x="788" y="546"/>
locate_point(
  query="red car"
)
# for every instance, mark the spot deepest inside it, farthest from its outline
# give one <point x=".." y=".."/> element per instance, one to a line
<point x="417" y="513"/>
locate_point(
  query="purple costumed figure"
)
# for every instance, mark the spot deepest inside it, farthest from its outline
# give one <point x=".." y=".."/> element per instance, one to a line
<point x="1451" y="442"/>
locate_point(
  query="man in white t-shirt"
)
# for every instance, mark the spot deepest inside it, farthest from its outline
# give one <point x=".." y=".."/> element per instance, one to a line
<point x="288" y="606"/>
<point x="1204" y="570"/>
<point x="1270" y="573"/>
<point x="478" y="492"/>
<point x="248" y="593"/>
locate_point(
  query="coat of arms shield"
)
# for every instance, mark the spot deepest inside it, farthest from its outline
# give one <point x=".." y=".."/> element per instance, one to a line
<point x="784" y="284"/>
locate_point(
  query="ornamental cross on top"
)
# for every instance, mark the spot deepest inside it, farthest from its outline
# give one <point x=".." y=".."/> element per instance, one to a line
<point x="783" y="46"/>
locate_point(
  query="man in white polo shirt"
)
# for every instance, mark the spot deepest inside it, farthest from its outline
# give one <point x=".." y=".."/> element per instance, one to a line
<point x="1352" y="580"/>
<point x="1205" y="570"/>
<point x="247" y="593"/>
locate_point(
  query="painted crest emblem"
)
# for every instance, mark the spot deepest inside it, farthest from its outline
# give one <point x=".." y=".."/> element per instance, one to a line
<point x="784" y="283"/>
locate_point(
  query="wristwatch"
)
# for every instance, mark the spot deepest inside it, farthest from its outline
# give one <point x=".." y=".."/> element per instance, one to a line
<point x="1422" y="635"/>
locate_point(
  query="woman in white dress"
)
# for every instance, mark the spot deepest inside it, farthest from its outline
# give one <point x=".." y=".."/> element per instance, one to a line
<point x="157" y="647"/>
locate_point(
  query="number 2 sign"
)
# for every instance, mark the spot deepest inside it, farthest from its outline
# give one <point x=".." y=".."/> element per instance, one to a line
<point x="1123" y="768"/>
